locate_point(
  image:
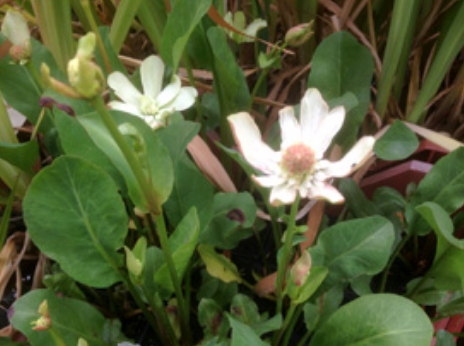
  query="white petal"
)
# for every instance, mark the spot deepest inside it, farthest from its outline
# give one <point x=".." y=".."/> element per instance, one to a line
<point x="291" y="130"/>
<point x="15" y="28"/>
<point x="124" y="89"/>
<point x="154" y="123"/>
<point x="126" y="107"/>
<point x="152" y="72"/>
<point x="353" y="159"/>
<point x="268" y="180"/>
<point x="313" y="110"/>
<point x="170" y="92"/>
<point x="283" y="194"/>
<point x="184" y="99"/>
<point x="248" y="139"/>
<point x="327" y="192"/>
<point x="328" y="128"/>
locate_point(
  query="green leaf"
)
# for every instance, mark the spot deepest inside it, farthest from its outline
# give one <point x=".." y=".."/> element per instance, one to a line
<point x="244" y="310"/>
<point x="75" y="215"/>
<point x="183" y="19"/>
<point x="76" y="141"/>
<point x="378" y="319"/>
<point x="397" y="143"/>
<point x="444" y="185"/>
<point x="311" y="313"/>
<point x="266" y="326"/>
<point x="72" y="319"/>
<point x="21" y="155"/>
<point x="229" y="81"/>
<point x="218" y="265"/>
<point x="158" y="164"/>
<point x="445" y="338"/>
<point x="455" y="307"/>
<point x="449" y="255"/>
<point x="115" y="62"/>
<point x="212" y="319"/>
<point x="243" y="334"/>
<point x="182" y="244"/>
<point x="312" y="283"/>
<point x="191" y="189"/>
<point x="233" y="213"/>
<point x="356" y="200"/>
<point x="353" y="248"/>
<point x="177" y="136"/>
<point x="341" y="65"/>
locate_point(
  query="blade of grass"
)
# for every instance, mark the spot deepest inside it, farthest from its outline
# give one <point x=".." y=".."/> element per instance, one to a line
<point x="123" y="18"/>
<point x="399" y="39"/>
<point x="152" y="16"/>
<point x="452" y="43"/>
<point x="54" y="20"/>
<point x="80" y="13"/>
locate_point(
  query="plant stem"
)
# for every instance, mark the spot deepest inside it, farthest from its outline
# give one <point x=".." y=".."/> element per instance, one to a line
<point x="160" y="312"/>
<point x="101" y="47"/>
<point x="56" y="337"/>
<point x="260" y="80"/>
<point x="284" y="258"/>
<point x="183" y="309"/>
<point x="390" y="262"/>
<point x="291" y="326"/>
<point x="287" y="320"/>
<point x="153" y="206"/>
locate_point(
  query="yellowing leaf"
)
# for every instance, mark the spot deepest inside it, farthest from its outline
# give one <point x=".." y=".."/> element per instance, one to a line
<point x="218" y="265"/>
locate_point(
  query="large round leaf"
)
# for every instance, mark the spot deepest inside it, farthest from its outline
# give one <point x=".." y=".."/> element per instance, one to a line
<point x="75" y="216"/>
<point x="71" y="319"/>
<point x="376" y="320"/>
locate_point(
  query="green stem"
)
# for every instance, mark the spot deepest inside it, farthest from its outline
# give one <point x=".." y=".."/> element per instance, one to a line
<point x="138" y="300"/>
<point x="305" y="338"/>
<point x="154" y="206"/>
<point x="160" y="312"/>
<point x="93" y="24"/>
<point x="390" y="262"/>
<point x="57" y="339"/>
<point x="260" y="80"/>
<point x="287" y="320"/>
<point x="183" y="309"/>
<point x="122" y="21"/>
<point x="291" y="327"/>
<point x="284" y="258"/>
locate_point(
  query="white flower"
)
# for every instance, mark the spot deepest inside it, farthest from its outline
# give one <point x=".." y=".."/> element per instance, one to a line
<point x="154" y="105"/>
<point x="299" y="166"/>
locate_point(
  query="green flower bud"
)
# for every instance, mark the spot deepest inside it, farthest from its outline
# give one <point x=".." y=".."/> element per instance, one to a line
<point x="82" y="342"/>
<point x="84" y="75"/>
<point x="299" y="34"/>
<point x="133" y="264"/>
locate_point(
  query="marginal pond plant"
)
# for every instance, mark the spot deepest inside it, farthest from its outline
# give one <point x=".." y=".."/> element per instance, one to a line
<point x="195" y="172"/>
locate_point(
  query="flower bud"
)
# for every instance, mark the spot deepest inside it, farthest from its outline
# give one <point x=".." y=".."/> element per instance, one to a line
<point x="299" y="34"/>
<point x="133" y="264"/>
<point x="15" y="28"/>
<point x="82" y="342"/>
<point x="84" y="75"/>
<point x="300" y="270"/>
<point x="57" y="85"/>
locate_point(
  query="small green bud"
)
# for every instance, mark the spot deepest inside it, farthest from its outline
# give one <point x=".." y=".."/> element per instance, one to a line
<point x="43" y="322"/>
<point x="57" y="85"/>
<point x="82" y="342"/>
<point x="133" y="264"/>
<point x="84" y="75"/>
<point x="299" y="34"/>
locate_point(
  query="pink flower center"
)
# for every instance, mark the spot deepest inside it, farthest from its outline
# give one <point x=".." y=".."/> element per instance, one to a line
<point x="298" y="159"/>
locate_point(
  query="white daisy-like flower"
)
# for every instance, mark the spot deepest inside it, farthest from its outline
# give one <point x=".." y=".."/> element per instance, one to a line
<point x="299" y="166"/>
<point x="155" y="104"/>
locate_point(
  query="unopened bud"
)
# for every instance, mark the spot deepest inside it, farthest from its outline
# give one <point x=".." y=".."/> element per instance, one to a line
<point x="133" y="264"/>
<point x="15" y="28"/>
<point x="84" y="75"/>
<point x="299" y="34"/>
<point x="300" y="270"/>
